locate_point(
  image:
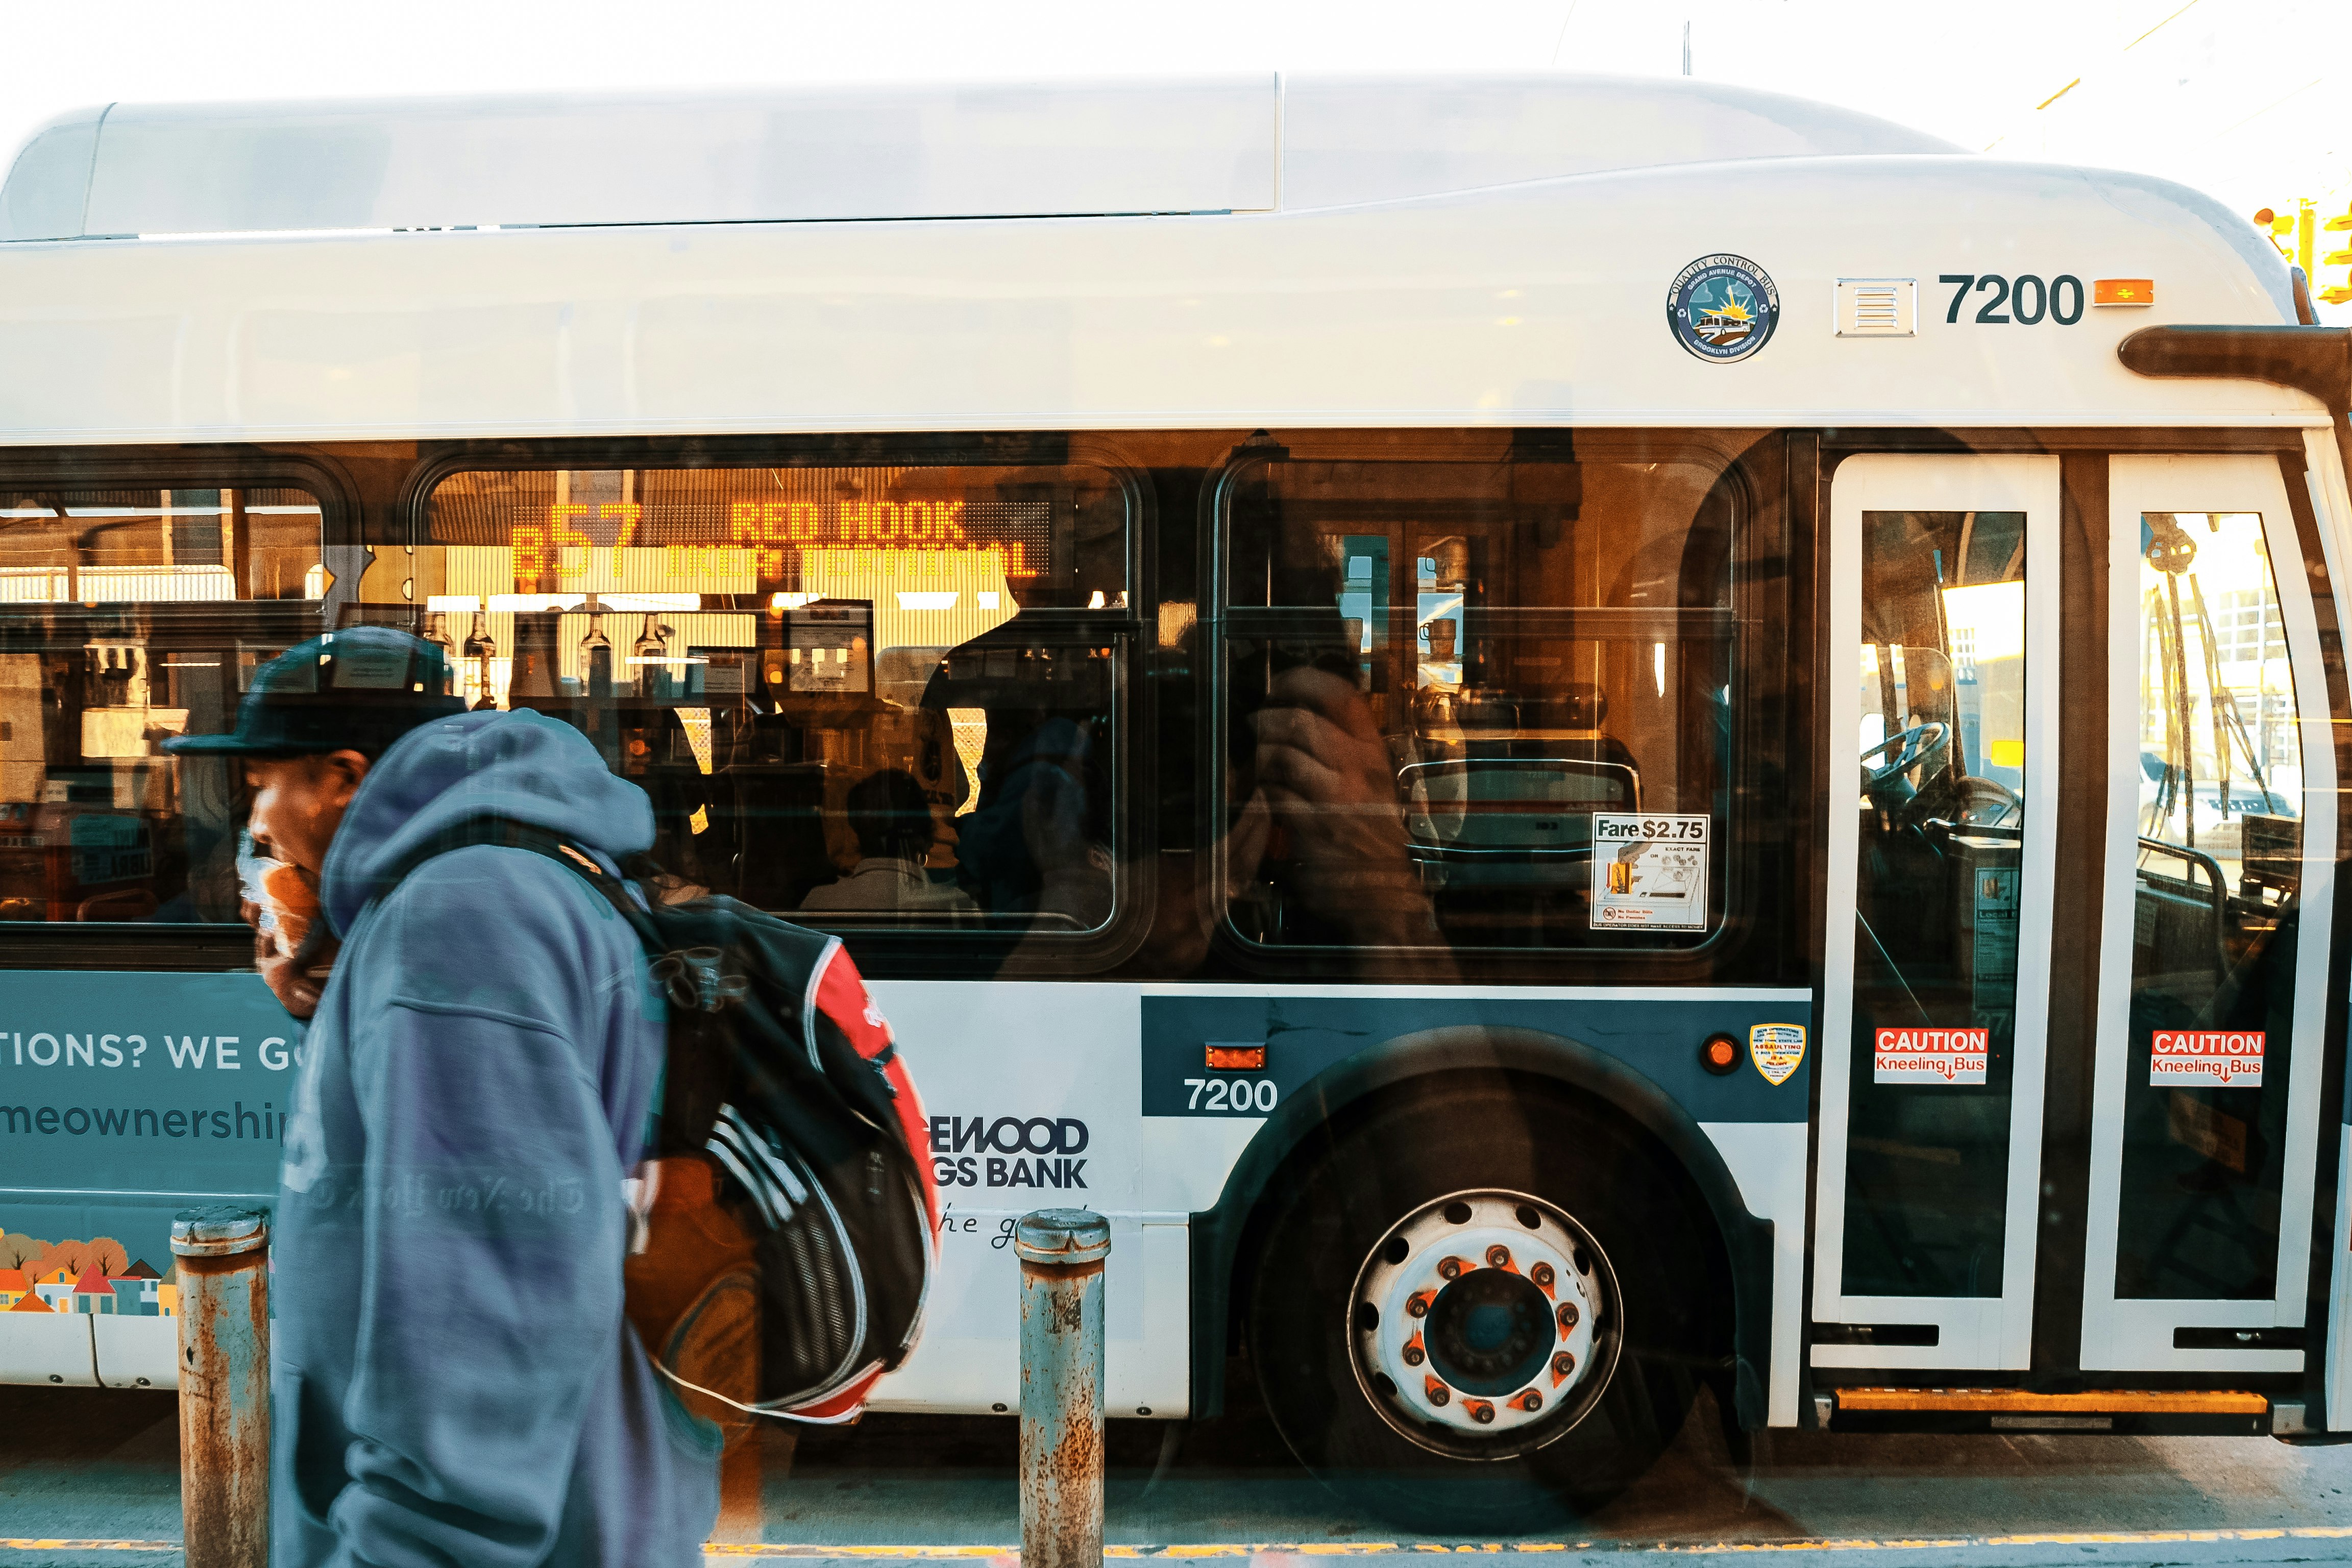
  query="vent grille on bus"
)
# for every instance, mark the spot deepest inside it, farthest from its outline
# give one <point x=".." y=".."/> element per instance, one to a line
<point x="1877" y="307"/>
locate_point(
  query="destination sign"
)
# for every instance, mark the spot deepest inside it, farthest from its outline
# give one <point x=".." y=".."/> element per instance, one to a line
<point x="772" y="535"/>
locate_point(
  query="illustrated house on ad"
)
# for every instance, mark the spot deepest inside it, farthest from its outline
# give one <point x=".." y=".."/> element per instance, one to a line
<point x="14" y="1286"/>
<point x="136" y="1291"/>
<point x="55" y="1287"/>
<point x="91" y="1293"/>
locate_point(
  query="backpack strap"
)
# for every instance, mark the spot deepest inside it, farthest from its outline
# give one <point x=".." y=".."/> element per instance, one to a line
<point x="505" y="833"/>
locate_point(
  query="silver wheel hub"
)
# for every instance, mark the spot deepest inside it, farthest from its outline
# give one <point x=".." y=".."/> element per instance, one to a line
<point x="1482" y="1322"/>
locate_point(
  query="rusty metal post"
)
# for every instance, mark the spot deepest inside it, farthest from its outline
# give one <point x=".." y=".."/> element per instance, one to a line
<point x="1062" y="1253"/>
<point x="222" y="1256"/>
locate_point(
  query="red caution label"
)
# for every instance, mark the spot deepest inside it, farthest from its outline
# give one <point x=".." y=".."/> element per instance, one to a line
<point x="1931" y="1056"/>
<point x="2230" y="1058"/>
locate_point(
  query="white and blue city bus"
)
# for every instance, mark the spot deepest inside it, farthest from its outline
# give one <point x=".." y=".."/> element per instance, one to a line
<point x="1313" y="637"/>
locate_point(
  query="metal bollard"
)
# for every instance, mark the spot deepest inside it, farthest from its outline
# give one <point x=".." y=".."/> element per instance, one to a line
<point x="1062" y="1253"/>
<point x="223" y="1257"/>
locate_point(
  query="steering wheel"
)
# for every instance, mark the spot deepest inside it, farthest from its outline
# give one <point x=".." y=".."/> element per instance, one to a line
<point x="1920" y="744"/>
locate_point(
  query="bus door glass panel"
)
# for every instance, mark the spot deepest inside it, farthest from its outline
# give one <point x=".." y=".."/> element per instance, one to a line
<point x="129" y="616"/>
<point x="1938" y="1031"/>
<point x="1448" y="679"/>
<point x="2203" y="1125"/>
<point x="877" y="699"/>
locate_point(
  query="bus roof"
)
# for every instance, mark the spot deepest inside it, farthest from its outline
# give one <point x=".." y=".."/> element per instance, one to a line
<point x="1242" y="143"/>
<point x="1433" y="256"/>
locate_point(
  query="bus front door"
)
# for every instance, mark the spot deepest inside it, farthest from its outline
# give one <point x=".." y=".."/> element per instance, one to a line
<point x="2213" y="941"/>
<point x="1936" y="967"/>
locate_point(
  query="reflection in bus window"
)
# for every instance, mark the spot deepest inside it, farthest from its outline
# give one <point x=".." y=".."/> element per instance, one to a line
<point x="1942" y="748"/>
<point x="126" y="617"/>
<point x="870" y="696"/>
<point x="1466" y="699"/>
<point x="2214" y="911"/>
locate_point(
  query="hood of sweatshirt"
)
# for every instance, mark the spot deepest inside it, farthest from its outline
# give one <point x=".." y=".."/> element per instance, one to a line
<point x="520" y="766"/>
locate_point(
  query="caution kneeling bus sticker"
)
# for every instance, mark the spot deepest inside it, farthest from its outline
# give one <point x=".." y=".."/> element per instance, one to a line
<point x="1931" y="1056"/>
<point x="2222" y="1059"/>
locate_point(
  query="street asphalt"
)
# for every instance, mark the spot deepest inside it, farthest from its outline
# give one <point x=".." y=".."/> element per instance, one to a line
<point x="90" y="1478"/>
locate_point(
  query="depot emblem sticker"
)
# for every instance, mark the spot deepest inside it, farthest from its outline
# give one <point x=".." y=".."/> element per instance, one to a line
<point x="1723" y="308"/>
<point x="1777" y="1049"/>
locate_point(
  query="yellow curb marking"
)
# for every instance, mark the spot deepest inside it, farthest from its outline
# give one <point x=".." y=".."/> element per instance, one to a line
<point x="18" y="1543"/>
<point x="1358" y="1549"/>
<point x="1011" y="1554"/>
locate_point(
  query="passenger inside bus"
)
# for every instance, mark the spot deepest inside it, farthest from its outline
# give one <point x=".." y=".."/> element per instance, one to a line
<point x="893" y="823"/>
<point x="1037" y="841"/>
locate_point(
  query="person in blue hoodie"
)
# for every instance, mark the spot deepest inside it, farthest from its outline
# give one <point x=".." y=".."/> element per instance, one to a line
<point x="452" y="1380"/>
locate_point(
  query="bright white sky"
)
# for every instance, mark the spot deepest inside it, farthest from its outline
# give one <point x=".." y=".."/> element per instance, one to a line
<point x="2245" y="99"/>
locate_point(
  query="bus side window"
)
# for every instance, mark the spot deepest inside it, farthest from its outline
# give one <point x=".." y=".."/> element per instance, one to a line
<point x="132" y="615"/>
<point x="1480" y="702"/>
<point x="876" y="698"/>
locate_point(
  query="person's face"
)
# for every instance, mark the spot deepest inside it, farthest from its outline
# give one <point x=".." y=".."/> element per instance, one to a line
<point x="298" y="801"/>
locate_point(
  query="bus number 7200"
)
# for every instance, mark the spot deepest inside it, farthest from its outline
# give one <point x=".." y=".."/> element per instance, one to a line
<point x="1242" y="1096"/>
<point x="2060" y="299"/>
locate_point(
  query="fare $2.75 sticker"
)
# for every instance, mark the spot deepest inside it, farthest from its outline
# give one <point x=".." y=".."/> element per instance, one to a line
<point x="1649" y="869"/>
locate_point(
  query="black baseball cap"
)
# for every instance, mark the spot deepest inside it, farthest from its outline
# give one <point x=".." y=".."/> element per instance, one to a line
<point x="361" y="689"/>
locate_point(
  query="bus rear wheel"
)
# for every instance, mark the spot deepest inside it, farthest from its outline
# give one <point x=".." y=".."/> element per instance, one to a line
<point x="1480" y="1309"/>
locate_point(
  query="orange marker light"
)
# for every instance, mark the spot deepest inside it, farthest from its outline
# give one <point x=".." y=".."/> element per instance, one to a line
<point x="2124" y="292"/>
<point x="1237" y="1058"/>
<point x="1719" y="1054"/>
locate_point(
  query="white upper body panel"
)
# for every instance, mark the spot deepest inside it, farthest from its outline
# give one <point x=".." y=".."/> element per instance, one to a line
<point x="1243" y="143"/>
<point x="1539" y="303"/>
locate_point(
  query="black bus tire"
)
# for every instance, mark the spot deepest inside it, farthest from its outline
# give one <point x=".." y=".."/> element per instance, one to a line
<point x="1311" y="1352"/>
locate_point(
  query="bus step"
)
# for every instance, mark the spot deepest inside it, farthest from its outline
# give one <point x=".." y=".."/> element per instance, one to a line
<point x="2098" y="1401"/>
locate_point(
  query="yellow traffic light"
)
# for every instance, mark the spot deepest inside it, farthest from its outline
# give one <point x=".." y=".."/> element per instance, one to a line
<point x="2337" y="291"/>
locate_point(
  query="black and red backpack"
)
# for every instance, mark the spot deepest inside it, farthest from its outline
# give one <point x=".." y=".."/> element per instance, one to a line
<point x="785" y="1222"/>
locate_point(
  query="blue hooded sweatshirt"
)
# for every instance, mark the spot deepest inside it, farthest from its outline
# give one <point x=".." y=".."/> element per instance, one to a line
<point x="454" y="1381"/>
